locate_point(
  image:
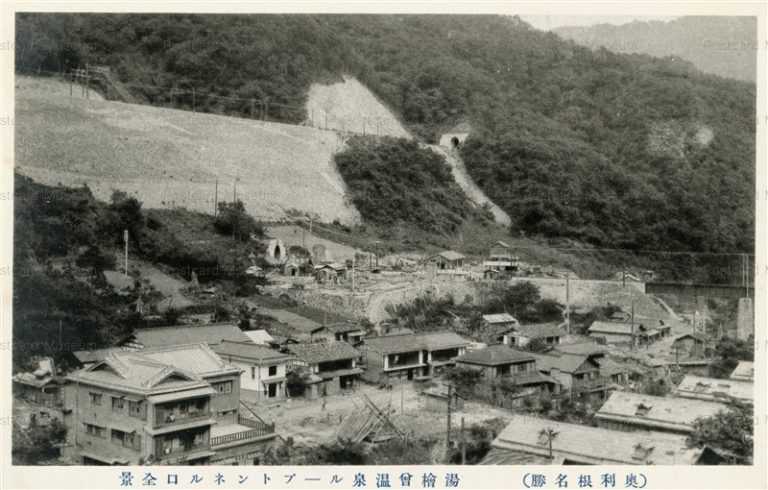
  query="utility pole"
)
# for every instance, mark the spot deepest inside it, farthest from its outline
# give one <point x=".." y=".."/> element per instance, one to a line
<point x="253" y="103"/>
<point x="194" y="100"/>
<point x="353" y="271"/>
<point x="125" y="239"/>
<point x="463" y="444"/>
<point x="568" y="302"/>
<point x="216" y="199"/>
<point x="448" y="421"/>
<point x="634" y="341"/>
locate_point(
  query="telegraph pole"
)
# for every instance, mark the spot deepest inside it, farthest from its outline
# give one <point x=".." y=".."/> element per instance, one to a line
<point x="448" y="421"/>
<point x="194" y="100"/>
<point x="463" y="444"/>
<point x="568" y="302"/>
<point x="125" y="239"/>
<point x="634" y="342"/>
<point x="216" y="199"/>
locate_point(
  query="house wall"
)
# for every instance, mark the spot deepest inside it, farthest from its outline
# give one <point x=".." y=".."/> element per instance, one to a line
<point x="83" y="411"/>
<point x="255" y="379"/>
<point x="613" y="338"/>
<point x="249" y="453"/>
<point x="225" y="406"/>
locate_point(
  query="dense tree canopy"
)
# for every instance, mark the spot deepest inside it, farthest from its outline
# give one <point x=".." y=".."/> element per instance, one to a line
<point x="610" y="149"/>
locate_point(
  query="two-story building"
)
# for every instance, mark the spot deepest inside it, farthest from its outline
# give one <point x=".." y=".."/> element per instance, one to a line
<point x="499" y="360"/>
<point x="263" y="369"/>
<point x="332" y="366"/>
<point x="166" y="405"/>
<point x="500" y="261"/>
<point x="578" y="374"/>
<point x="410" y="356"/>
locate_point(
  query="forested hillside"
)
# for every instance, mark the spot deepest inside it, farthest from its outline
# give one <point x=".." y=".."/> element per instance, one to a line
<point x="614" y="150"/>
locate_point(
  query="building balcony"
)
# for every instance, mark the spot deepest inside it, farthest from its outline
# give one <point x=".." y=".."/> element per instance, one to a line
<point x="164" y="418"/>
<point x="183" y="454"/>
<point x="246" y="430"/>
<point x="595" y="384"/>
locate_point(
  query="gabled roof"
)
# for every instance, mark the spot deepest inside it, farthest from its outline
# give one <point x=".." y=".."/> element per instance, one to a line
<point x="187" y="334"/>
<point x="715" y="389"/>
<point x="195" y="358"/>
<point x="499" y="318"/>
<point x="249" y="350"/>
<point x="494" y="355"/>
<point x="136" y="372"/>
<point x="567" y="363"/>
<point x="450" y="255"/>
<point x="745" y="371"/>
<point x="670" y="413"/>
<point x="538" y="330"/>
<point x="392" y="344"/>
<point x="618" y="328"/>
<point x="501" y="244"/>
<point x="323" y="351"/>
<point x="593" y="445"/>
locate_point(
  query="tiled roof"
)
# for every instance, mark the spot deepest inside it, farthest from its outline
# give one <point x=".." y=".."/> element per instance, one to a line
<point x="593" y="445"/>
<point x="539" y="330"/>
<point x="391" y="344"/>
<point x="715" y="389"/>
<point x="671" y="413"/>
<point x="451" y="255"/>
<point x="621" y="328"/>
<point x="323" y="351"/>
<point x="301" y="324"/>
<point x="194" y="358"/>
<point x="248" y="350"/>
<point x="86" y="356"/>
<point x="504" y="457"/>
<point x="494" y="355"/>
<point x="499" y="318"/>
<point x="188" y="334"/>
<point x="567" y="363"/>
<point x="137" y="373"/>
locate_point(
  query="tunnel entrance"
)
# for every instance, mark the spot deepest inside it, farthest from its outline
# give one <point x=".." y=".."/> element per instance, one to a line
<point x="455" y="142"/>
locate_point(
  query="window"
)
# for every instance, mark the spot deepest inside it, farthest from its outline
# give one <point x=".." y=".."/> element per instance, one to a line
<point x="273" y="370"/>
<point x="126" y="439"/>
<point x="118" y="404"/>
<point x="224" y="387"/>
<point x="96" y="430"/>
<point x="253" y="372"/>
<point x="136" y="409"/>
<point x="95" y="398"/>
